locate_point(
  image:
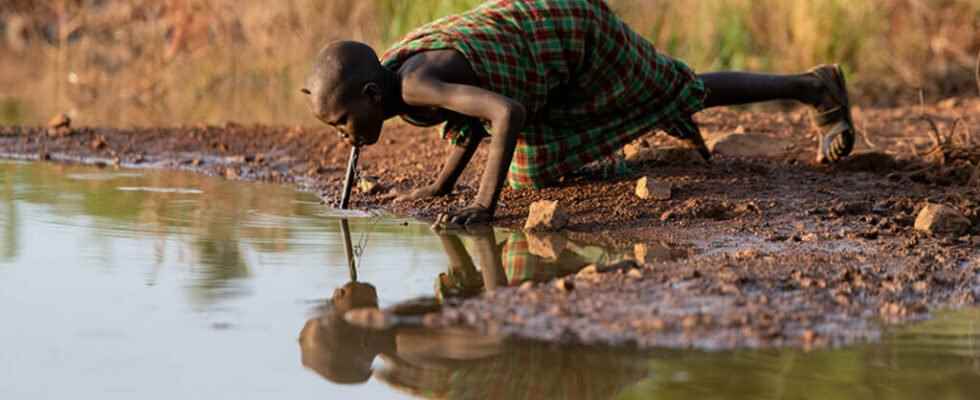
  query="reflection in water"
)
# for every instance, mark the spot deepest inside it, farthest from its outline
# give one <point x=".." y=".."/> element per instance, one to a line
<point x="220" y="221"/>
<point x="519" y="258"/>
<point x="10" y="219"/>
<point x="112" y="289"/>
<point x="455" y="362"/>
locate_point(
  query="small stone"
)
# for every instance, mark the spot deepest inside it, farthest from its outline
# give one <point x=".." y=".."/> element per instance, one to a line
<point x="939" y="219"/>
<point x="634" y="274"/>
<point x="635" y="152"/>
<point x="648" y="188"/>
<point x="564" y="285"/>
<point x="59" y="121"/>
<point x="545" y="244"/>
<point x="231" y="173"/>
<point x="97" y="144"/>
<point x="546" y="215"/>
<point x="810" y="237"/>
<point x="808" y="336"/>
<point x="526" y="286"/>
<point x="368" y="185"/>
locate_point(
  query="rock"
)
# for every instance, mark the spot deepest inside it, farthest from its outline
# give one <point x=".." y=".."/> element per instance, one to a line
<point x="231" y="173"/>
<point x="59" y="125"/>
<point x="649" y="188"/>
<point x="546" y="245"/>
<point x="564" y="285"/>
<point x="938" y="219"/>
<point x="60" y="121"/>
<point x="546" y="215"/>
<point x="368" y="185"/>
<point x="746" y="145"/>
<point x="98" y="143"/>
<point x="637" y="151"/>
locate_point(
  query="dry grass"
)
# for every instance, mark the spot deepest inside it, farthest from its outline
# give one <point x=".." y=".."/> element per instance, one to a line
<point x="145" y="62"/>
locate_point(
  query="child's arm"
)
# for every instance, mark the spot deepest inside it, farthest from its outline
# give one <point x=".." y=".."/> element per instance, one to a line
<point x="506" y="118"/>
<point x="454" y="167"/>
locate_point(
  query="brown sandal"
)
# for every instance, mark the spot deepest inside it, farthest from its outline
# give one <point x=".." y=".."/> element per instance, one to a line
<point x="837" y="139"/>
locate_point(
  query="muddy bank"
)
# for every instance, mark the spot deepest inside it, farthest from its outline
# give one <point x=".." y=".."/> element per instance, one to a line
<point x="784" y="251"/>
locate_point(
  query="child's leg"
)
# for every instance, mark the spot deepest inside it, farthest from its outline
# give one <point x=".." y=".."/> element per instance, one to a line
<point x="823" y="87"/>
<point x="734" y="88"/>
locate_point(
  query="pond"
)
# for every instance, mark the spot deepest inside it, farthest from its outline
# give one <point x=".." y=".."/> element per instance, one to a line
<point x="151" y="284"/>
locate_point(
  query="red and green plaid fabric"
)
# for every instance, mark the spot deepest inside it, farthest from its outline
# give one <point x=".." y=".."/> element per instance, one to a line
<point x="589" y="82"/>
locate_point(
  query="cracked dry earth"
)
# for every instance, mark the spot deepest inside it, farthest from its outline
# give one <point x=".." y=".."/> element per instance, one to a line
<point x="779" y="251"/>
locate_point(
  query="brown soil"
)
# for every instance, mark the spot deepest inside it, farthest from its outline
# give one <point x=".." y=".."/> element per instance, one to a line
<point x="788" y="252"/>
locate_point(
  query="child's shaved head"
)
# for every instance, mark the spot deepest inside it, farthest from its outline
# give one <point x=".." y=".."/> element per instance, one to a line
<point x="344" y="89"/>
<point x="342" y="65"/>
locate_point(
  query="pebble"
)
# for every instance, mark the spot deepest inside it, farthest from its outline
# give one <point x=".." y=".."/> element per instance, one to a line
<point x="368" y="185"/>
<point x="649" y="188"/>
<point x="564" y="285"/>
<point x="939" y="219"/>
<point x="546" y="245"/>
<point x="546" y="215"/>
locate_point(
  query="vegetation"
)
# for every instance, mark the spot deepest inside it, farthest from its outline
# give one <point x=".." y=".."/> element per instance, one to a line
<point x="191" y="61"/>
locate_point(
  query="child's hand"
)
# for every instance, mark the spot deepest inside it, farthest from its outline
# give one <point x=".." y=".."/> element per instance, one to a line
<point x="472" y="215"/>
<point x="421" y="193"/>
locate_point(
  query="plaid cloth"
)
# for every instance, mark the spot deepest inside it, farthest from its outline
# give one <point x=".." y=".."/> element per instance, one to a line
<point x="590" y="84"/>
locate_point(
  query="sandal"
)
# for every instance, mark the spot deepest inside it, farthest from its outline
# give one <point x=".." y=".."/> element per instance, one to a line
<point x="837" y="141"/>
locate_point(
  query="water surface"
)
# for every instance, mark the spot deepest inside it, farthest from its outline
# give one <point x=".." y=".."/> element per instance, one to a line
<point x="146" y="284"/>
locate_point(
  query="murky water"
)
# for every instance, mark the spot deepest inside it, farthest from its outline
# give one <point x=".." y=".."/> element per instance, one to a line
<point x="144" y="284"/>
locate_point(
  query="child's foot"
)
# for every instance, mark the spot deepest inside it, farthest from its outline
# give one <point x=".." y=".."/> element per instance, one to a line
<point x="833" y="115"/>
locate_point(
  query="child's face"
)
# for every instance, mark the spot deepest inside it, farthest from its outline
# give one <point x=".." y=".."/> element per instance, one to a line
<point x="357" y="115"/>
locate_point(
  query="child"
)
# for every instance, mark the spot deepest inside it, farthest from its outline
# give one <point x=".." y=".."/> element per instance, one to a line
<point x="555" y="84"/>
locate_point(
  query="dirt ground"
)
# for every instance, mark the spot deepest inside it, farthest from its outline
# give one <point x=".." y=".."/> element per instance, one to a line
<point x="784" y="251"/>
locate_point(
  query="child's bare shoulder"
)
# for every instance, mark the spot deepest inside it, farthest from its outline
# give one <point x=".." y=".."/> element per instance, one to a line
<point x="442" y="65"/>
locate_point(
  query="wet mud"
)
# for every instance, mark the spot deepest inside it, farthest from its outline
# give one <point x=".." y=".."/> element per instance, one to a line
<point x="760" y="247"/>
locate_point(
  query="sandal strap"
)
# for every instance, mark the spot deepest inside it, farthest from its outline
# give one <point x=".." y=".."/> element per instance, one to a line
<point x="838" y="128"/>
<point x="831" y="116"/>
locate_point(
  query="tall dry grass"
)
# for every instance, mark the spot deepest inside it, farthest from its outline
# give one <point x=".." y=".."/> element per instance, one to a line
<point x="166" y="62"/>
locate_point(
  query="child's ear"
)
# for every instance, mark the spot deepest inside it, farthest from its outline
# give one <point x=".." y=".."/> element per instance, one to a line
<point x="372" y="91"/>
<point x="305" y="91"/>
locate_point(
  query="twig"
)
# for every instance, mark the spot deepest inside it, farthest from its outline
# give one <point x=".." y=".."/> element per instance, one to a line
<point x="934" y="133"/>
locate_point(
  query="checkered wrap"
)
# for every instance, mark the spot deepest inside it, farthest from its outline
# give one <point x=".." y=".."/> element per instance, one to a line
<point x="590" y="84"/>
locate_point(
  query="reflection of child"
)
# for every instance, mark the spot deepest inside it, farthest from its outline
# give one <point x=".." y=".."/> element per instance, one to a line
<point x="455" y="362"/>
<point x="338" y="351"/>
<point x="508" y="264"/>
<point x="343" y="353"/>
<point x="559" y="83"/>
